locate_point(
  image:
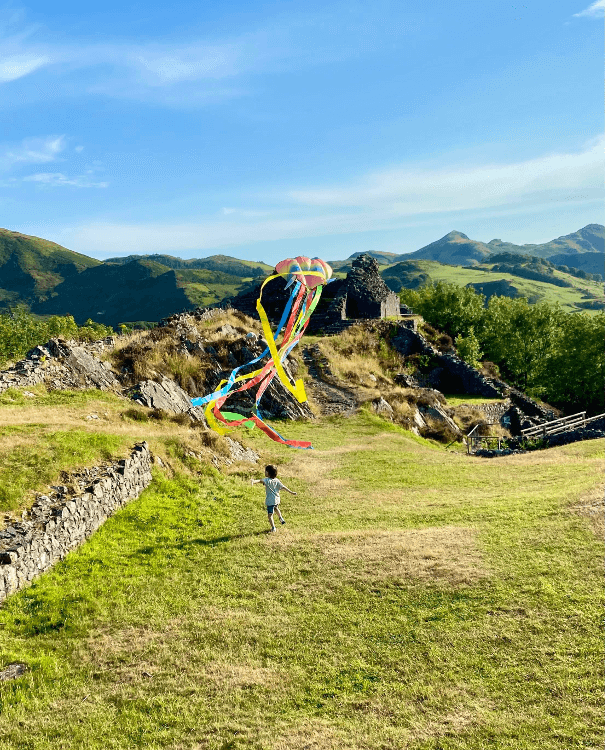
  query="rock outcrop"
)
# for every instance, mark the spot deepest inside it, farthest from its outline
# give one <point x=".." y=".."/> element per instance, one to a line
<point x="447" y="372"/>
<point x="168" y="396"/>
<point x="61" y="365"/>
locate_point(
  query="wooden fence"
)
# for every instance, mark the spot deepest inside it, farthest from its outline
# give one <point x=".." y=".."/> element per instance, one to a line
<point x="572" y="422"/>
<point x="492" y="442"/>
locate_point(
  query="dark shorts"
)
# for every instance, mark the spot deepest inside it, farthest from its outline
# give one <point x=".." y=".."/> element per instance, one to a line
<point x="270" y="509"/>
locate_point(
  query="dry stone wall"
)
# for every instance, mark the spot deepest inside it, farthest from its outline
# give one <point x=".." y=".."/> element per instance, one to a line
<point x="60" y="522"/>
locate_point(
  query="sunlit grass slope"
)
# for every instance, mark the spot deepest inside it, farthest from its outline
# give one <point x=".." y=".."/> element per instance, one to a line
<point x="416" y="598"/>
<point x="568" y="297"/>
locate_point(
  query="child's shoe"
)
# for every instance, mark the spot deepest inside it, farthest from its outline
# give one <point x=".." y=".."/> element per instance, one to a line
<point x="283" y="521"/>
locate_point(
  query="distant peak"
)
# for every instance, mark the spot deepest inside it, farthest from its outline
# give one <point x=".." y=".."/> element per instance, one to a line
<point x="455" y="234"/>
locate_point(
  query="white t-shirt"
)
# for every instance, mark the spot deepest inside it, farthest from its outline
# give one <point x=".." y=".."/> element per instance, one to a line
<point x="272" y="488"/>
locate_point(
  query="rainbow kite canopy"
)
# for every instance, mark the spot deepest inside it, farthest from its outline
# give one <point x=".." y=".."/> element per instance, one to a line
<point x="306" y="276"/>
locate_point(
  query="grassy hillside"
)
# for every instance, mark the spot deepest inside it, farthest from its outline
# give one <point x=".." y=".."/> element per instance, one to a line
<point x="589" y="262"/>
<point x="454" y="248"/>
<point x="416" y="598"/>
<point x="579" y="295"/>
<point x="46" y="278"/>
<point x="589" y="239"/>
<point x="139" y="290"/>
<point x="30" y="266"/>
<point x="222" y="263"/>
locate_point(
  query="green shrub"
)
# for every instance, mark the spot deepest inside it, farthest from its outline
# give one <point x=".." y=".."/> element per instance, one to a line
<point x="20" y="331"/>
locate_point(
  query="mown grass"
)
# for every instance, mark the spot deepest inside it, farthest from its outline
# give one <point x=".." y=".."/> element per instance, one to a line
<point x="416" y="598"/>
<point x="456" y="399"/>
<point x="59" y="431"/>
<point x="32" y="458"/>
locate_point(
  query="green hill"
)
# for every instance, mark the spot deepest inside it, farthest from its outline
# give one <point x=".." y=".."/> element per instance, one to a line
<point x="344" y="266"/>
<point x="587" y="246"/>
<point x="589" y="262"/>
<point x="30" y="267"/>
<point x="455" y="248"/>
<point x="112" y="293"/>
<point x="51" y="279"/>
<point x="589" y="239"/>
<point x="222" y="263"/>
<point x="573" y="294"/>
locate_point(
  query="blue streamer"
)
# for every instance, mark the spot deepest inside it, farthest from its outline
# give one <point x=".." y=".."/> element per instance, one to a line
<point x="224" y="390"/>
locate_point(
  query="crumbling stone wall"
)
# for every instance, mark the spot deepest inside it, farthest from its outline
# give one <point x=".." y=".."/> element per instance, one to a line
<point x="59" y="523"/>
<point x="450" y="373"/>
<point x="368" y="296"/>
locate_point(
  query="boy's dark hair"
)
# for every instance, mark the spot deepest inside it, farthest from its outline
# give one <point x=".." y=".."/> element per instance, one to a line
<point x="271" y="471"/>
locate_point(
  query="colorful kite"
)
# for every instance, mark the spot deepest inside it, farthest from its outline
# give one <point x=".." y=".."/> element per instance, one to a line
<point x="306" y="277"/>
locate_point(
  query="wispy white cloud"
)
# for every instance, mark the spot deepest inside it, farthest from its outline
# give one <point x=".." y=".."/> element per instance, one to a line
<point x="417" y="190"/>
<point x="13" y="67"/>
<point x="135" y="67"/>
<point x="596" y="10"/>
<point x="382" y="201"/>
<point x="57" y="179"/>
<point x="41" y="150"/>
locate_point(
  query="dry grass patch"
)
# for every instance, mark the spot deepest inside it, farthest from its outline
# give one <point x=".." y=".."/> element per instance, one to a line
<point x="591" y="505"/>
<point x="243" y="324"/>
<point x="312" y="734"/>
<point x="316" y="470"/>
<point x="361" y="356"/>
<point x="229" y="676"/>
<point x="447" y="554"/>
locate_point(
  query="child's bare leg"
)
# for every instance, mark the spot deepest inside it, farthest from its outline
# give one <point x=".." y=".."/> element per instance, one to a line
<point x="270" y="516"/>
<point x="281" y="518"/>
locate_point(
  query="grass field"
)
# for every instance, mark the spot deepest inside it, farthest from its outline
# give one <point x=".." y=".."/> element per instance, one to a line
<point x="416" y="598"/>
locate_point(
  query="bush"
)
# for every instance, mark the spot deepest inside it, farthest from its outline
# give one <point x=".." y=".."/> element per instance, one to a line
<point x="468" y="348"/>
<point x="159" y="414"/>
<point x="136" y="414"/>
<point x="440" y="431"/>
<point x="490" y="369"/>
<point x="182" y="419"/>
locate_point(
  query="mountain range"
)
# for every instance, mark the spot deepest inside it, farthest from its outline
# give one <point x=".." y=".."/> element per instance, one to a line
<point x="50" y="279"/>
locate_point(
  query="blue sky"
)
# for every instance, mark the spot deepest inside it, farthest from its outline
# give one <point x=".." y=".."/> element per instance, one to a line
<point x="268" y="129"/>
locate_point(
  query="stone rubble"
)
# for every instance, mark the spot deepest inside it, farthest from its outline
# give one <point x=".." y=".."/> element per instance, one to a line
<point x="61" y="365"/>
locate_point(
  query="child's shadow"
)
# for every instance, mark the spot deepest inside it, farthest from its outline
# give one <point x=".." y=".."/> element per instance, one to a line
<point x="199" y="542"/>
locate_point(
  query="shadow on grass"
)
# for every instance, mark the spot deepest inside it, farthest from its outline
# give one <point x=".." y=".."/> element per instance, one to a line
<point x="149" y="550"/>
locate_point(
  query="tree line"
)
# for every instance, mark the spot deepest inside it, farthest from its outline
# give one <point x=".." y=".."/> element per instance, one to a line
<point x="551" y="354"/>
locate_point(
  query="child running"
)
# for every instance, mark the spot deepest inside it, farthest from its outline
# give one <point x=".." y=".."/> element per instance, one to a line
<point x="272" y="488"/>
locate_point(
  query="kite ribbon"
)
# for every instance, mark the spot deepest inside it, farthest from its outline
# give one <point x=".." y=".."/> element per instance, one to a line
<point x="308" y="277"/>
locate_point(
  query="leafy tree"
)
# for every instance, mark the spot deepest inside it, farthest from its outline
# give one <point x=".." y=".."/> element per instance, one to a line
<point x="20" y="331"/>
<point x="520" y="337"/>
<point x="575" y="370"/>
<point x="468" y="348"/>
<point x="452" y="308"/>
